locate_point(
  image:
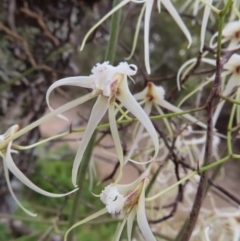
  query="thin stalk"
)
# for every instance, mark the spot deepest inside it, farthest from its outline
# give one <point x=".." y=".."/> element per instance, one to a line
<point x="192" y="174"/>
<point x="81" y="178"/>
<point x="49" y="116"/>
<point x="229" y="132"/>
<point x="114" y="31"/>
<point x="78" y="130"/>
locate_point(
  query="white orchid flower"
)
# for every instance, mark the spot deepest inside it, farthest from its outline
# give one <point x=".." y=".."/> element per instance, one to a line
<point x="129" y="200"/>
<point x="154" y="96"/>
<point x="148" y="5"/>
<point x="8" y="164"/>
<point x="230" y="33"/>
<point x="108" y="83"/>
<point x="232" y="68"/>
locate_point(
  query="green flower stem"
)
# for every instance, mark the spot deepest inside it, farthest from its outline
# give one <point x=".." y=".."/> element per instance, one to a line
<point x="114" y="31"/>
<point x="229" y="132"/>
<point x="80" y="182"/>
<point x="49" y="116"/>
<point x="153" y="179"/>
<point x="214" y="9"/>
<point x="18" y="147"/>
<point x="192" y="174"/>
<point x="235" y="156"/>
<point x="229" y="99"/>
<point x="78" y="130"/>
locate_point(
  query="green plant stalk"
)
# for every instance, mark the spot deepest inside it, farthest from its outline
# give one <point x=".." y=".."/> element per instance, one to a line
<point x="192" y="174"/>
<point x="80" y="181"/>
<point x="99" y="127"/>
<point x="229" y="99"/>
<point x="114" y="32"/>
<point x="50" y="115"/>
<point x="153" y="179"/>
<point x="229" y="132"/>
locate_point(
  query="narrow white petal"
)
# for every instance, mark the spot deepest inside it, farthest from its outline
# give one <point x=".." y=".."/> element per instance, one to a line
<point x="212" y="44"/>
<point x="98" y="111"/>
<point x="181" y="69"/>
<point x="173" y="108"/>
<point x="197" y="89"/>
<point x="91" y="217"/>
<point x="204" y="24"/>
<point x="138" y="27"/>
<point x="130" y="220"/>
<point x="159" y="5"/>
<point x="54" y="113"/>
<point x="171" y="9"/>
<point x="141" y="216"/>
<point x="120" y="229"/>
<point x="84" y="81"/>
<point x="234" y="44"/>
<point x="120" y="5"/>
<point x="236" y="232"/>
<point x="16" y="172"/>
<point x="12" y="193"/>
<point x="138" y="137"/>
<point x="209" y="61"/>
<point x="116" y="139"/>
<point x="184" y="6"/>
<point x="205" y="60"/>
<point x="196" y="8"/>
<point x="149" y="6"/>
<point x="141" y="95"/>
<point x="231" y="84"/>
<point x="127" y="100"/>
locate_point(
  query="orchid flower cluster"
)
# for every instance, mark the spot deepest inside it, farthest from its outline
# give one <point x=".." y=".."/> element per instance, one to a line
<point x="168" y="143"/>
